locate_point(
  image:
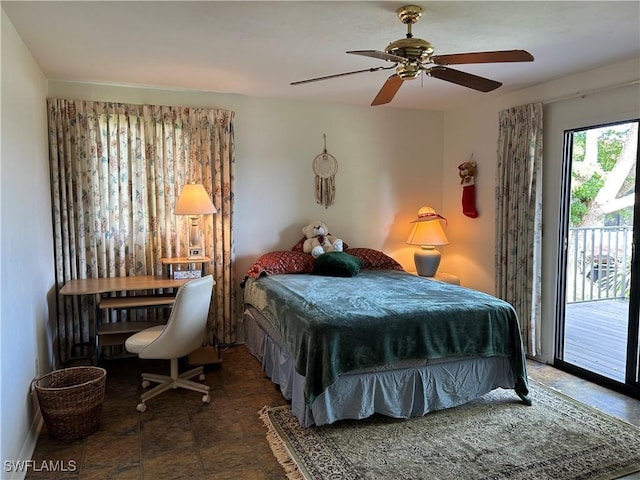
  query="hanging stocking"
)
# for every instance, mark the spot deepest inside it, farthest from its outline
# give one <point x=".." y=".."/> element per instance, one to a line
<point x="469" y="200"/>
<point x="467" y="171"/>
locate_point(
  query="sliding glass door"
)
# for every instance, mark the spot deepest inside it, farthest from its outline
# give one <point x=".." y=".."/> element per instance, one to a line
<point x="597" y="314"/>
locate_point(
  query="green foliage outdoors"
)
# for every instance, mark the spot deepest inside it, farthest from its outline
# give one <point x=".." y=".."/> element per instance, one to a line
<point x="584" y="190"/>
<point x="582" y="196"/>
<point x="610" y="144"/>
<point x="579" y="146"/>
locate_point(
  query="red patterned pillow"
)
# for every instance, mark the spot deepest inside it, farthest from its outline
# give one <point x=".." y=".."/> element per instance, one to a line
<point x="374" y="259"/>
<point x="281" y="261"/>
<point x="298" y="246"/>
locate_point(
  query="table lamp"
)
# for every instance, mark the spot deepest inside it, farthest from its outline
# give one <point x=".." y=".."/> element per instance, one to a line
<point x="427" y="232"/>
<point x="194" y="201"/>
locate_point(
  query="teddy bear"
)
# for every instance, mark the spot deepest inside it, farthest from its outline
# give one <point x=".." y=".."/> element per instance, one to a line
<point x="467" y="172"/>
<point x="319" y="240"/>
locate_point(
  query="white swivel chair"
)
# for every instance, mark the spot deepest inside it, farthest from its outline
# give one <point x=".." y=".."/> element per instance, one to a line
<point x="183" y="333"/>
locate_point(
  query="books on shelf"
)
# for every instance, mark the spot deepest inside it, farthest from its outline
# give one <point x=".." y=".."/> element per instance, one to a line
<point x="191" y="273"/>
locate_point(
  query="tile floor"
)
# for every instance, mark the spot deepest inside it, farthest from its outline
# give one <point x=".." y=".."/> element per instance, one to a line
<point x="179" y="437"/>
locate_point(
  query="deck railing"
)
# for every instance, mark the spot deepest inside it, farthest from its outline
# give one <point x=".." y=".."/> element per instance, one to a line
<point x="598" y="263"/>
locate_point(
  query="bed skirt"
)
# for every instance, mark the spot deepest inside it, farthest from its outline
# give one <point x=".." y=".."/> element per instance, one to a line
<point x="400" y="391"/>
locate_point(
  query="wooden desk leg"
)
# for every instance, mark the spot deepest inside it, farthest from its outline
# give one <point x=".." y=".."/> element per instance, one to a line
<point x="98" y="352"/>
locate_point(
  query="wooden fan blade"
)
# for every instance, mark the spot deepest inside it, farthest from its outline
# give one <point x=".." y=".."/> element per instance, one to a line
<point x="372" y="69"/>
<point x="378" y="54"/>
<point x="483" y="57"/>
<point x="462" y="78"/>
<point x="388" y="90"/>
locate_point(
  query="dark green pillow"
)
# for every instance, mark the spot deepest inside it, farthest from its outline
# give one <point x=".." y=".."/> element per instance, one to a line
<point x="336" y="264"/>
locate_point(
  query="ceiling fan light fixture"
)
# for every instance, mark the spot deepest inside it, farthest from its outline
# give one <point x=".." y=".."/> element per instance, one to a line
<point x="408" y="71"/>
<point x="411" y="49"/>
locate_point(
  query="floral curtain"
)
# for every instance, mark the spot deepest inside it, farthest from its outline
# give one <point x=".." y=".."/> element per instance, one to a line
<point x="519" y="217"/>
<point x="116" y="173"/>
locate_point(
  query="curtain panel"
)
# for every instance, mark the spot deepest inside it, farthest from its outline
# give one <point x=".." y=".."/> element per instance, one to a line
<point x="519" y="217"/>
<point x="117" y="171"/>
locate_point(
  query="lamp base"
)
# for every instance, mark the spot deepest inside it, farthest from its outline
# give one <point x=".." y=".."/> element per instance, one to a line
<point x="196" y="252"/>
<point x="427" y="261"/>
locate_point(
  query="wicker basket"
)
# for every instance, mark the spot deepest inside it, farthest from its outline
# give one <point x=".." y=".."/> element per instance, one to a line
<point x="71" y="400"/>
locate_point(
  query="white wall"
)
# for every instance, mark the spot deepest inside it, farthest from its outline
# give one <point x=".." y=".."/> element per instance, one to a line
<point x="475" y="130"/>
<point x="389" y="165"/>
<point x="26" y="261"/>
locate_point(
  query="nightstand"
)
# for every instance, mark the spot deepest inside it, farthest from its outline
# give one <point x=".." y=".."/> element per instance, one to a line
<point x="442" y="277"/>
<point x="446" y="278"/>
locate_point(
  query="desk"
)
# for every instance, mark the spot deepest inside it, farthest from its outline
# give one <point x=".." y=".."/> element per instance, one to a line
<point x="90" y="286"/>
<point x="110" y="334"/>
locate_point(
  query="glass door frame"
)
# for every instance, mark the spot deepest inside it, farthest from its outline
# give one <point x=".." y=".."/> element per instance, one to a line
<point x="632" y="374"/>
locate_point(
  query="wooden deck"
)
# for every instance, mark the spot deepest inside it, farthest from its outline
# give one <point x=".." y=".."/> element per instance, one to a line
<point x="596" y="336"/>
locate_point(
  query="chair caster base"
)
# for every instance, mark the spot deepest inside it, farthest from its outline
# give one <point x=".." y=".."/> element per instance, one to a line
<point x="141" y="407"/>
<point x="206" y="398"/>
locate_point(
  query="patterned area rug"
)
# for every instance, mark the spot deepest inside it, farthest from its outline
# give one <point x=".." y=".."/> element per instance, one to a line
<point x="495" y="437"/>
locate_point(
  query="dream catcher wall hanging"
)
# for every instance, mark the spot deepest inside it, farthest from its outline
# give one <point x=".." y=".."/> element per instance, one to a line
<point x="325" y="167"/>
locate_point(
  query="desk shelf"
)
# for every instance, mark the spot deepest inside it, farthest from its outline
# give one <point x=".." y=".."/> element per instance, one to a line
<point x="169" y="263"/>
<point x="137" y="301"/>
<point x="116" y="333"/>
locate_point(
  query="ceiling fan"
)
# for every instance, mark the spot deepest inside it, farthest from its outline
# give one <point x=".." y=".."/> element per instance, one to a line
<point x="412" y="56"/>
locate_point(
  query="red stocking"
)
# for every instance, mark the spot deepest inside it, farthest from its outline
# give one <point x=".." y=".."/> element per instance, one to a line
<point x="469" y="201"/>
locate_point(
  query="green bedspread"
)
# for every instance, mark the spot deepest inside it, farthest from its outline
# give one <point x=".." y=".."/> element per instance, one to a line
<point x="334" y="325"/>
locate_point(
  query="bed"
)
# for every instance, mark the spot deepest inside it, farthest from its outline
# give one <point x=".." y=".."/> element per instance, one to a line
<point x="377" y="340"/>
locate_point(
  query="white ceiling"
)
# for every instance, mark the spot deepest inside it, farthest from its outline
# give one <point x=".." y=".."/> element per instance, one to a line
<point x="258" y="48"/>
